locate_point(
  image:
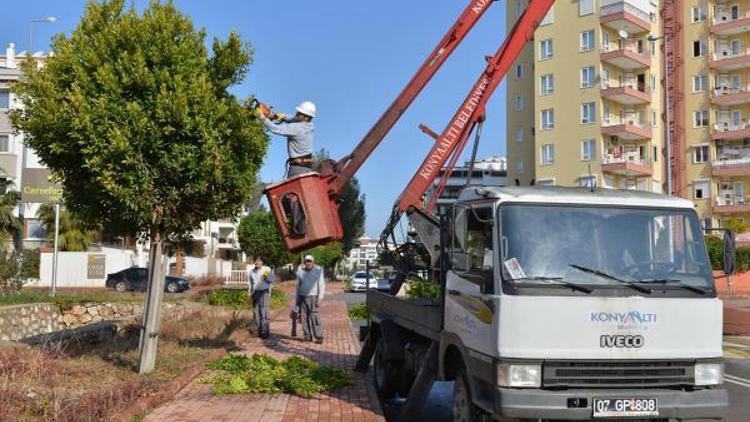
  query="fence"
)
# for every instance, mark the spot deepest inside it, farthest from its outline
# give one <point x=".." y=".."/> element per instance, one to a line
<point x="236" y="278"/>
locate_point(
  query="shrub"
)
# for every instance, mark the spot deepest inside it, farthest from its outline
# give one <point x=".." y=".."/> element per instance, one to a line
<point x="278" y="298"/>
<point x="233" y="298"/>
<point x="715" y="247"/>
<point x="423" y="290"/>
<point x="358" y="311"/>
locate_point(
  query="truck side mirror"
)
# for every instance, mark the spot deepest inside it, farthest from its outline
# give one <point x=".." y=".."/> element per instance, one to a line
<point x="730" y="256"/>
<point x="460" y="261"/>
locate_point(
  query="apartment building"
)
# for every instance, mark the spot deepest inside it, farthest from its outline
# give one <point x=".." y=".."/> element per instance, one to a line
<point x="366" y="250"/>
<point x="584" y="101"/>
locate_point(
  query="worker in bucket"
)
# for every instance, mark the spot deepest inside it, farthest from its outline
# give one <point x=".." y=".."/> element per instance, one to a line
<point x="299" y="132"/>
<point x="261" y="279"/>
<point x="311" y="288"/>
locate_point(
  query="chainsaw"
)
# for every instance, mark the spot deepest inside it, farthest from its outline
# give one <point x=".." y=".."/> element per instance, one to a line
<point x="265" y="109"/>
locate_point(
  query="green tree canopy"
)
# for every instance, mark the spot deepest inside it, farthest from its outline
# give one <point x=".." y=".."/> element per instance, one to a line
<point x="133" y="115"/>
<point x="259" y="237"/>
<point x="74" y="236"/>
<point x="10" y="225"/>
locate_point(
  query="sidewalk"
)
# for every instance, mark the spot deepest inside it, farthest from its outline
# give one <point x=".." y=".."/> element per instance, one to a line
<point x="357" y="403"/>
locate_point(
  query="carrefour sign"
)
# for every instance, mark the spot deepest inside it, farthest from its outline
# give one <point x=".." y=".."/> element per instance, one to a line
<point x="37" y="186"/>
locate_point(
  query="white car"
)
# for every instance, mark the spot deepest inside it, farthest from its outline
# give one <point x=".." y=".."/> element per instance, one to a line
<point x="359" y="282"/>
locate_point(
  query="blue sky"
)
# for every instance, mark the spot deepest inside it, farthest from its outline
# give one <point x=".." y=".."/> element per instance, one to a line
<point x="350" y="58"/>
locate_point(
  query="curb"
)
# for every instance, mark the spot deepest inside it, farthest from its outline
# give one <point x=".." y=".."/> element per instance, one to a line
<point x="145" y="404"/>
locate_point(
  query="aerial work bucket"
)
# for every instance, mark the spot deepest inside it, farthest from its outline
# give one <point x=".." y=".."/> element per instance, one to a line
<point x="305" y="214"/>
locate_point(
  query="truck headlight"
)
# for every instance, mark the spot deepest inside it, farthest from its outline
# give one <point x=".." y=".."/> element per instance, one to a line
<point x="709" y="373"/>
<point x="519" y="375"/>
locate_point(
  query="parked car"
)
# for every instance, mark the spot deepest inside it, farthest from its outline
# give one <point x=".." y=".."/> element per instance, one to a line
<point x="384" y="284"/>
<point x="359" y="281"/>
<point x="136" y="278"/>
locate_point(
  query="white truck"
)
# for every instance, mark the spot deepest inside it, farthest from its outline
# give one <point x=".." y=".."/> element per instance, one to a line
<point x="559" y="303"/>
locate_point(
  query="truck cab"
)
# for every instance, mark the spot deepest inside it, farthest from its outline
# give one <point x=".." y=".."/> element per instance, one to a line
<point x="579" y="304"/>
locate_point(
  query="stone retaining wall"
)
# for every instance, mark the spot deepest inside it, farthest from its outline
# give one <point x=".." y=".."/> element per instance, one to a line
<point x="21" y="321"/>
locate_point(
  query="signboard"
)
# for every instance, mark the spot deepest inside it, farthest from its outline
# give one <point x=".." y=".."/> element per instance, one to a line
<point x="36" y="186"/>
<point x="96" y="266"/>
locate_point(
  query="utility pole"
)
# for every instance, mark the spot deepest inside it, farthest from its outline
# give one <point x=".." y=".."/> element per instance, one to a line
<point x="152" y="312"/>
<point x="54" y="256"/>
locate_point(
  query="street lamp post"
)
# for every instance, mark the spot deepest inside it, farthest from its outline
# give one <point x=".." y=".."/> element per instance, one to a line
<point x="668" y="132"/>
<point x="49" y="19"/>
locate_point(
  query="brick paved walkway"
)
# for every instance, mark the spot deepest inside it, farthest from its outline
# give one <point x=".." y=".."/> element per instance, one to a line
<point x="357" y="403"/>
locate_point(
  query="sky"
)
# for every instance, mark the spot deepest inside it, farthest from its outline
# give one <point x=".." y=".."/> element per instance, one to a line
<point x="350" y="58"/>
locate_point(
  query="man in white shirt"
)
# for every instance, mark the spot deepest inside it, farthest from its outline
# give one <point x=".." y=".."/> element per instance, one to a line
<point x="261" y="278"/>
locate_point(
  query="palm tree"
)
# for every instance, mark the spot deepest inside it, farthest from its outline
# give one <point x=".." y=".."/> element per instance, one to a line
<point x="73" y="236"/>
<point x="10" y="225"/>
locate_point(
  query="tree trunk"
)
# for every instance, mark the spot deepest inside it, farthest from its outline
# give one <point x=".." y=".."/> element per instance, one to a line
<point x="152" y="310"/>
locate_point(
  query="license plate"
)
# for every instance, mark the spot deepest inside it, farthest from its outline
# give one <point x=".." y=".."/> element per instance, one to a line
<point x="621" y="408"/>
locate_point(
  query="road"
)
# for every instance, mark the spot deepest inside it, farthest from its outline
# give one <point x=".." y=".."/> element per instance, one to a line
<point x="438" y="406"/>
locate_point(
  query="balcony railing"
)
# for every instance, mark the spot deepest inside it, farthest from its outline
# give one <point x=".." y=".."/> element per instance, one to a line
<point x="730" y="126"/>
<point x="732" y="162"/>
<point x="625" y="158"/>
<point x="625" y="7"/>
<point x="728" y="54"/>
<point x="729" y="90"/>
<point x="732" y="201"/>
<point x="727" y="17"/>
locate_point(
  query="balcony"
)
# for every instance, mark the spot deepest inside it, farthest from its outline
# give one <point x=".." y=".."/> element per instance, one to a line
<point x="728" y="96"/>
<point x="627" y="165"/>
<point x="728" y="130"/>
<point x="626" y="95"/>
<point x="623" y="16"/>
<point x="728" y="60"/>
<point x="731" y="167"/>
<point x="732" y="205"/>
<point x="627" y="58"/>
<point x="725" y="24"/>
<point x="628" y="130"/>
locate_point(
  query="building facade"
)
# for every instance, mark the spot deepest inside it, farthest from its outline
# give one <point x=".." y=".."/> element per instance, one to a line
<point x="584" y="102"/>
<point x="365" y="251"/>
<point x="587" y="103"/>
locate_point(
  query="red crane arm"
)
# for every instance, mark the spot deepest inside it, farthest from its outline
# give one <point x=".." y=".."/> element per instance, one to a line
<point x="349" y="165"/>
<point x="450" y="143"/>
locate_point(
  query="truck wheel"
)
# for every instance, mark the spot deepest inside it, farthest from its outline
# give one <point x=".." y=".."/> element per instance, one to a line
<point x="464" y="409"/>
<point x="386" y="376"/>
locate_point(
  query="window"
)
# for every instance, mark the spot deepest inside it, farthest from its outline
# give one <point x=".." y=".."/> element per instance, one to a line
<point x="519" y="71"/>
<point x="548" y="154"/>
<point x="549" y="18"/>
<point x="472" y="250"/>
<point x="699" y="83"/>
<point x="547" y="84"/>
<point x="735" y="47"/>
<point x="587" y="40"/>
<point x="699" y="48"/>
<point x="519" y="103"/>
<point x="701" y="118"/>
<point x="519" y="167"/>
<point x="588" y="111"/>
<point x="548" y="119"/>
<point x="653" y="82"/>
<point x="4" y="143"/>
<point x="588" y="149"/>
<point x="35" y="229"/>
<point x="700" y="154"/>
<point x="655" y="155"/>
<point x="652" y="47"/>
<point x="698" y="13"/>
<point x="587" y="181"/>
<point x="518" y="8"/>
<point x="546" y="182"/>
<point x="701" y="189"/>
<point x="587" y="77"/>
<point x="653" y="117"/>
<point x="519" y="134"/>
<point x="4" y="98"/>
<point x="585" y="7"/>
<point x="545" y="49"/>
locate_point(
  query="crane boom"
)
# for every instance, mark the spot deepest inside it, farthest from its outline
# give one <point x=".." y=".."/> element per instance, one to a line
<point x="315" y="194"/>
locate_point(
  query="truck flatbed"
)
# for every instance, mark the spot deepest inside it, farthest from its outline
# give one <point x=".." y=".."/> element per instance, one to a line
<point x="422" y="316"/>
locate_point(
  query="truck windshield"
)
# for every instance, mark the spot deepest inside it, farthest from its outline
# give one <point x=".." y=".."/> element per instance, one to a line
<point x="629" y="248"/>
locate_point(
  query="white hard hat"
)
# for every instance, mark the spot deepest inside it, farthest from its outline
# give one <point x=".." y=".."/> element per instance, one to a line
<point x="309" y="257"/>
<point x="307" y="108"/>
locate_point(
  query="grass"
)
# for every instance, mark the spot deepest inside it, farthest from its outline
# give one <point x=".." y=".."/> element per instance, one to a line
<point x="358" y="311"/>
<point x="66" y="300"/>
<point x="238" y="374"/>
<point x="88" y="382"/>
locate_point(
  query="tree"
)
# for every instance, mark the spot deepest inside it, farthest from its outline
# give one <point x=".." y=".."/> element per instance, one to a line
<point x="73" y="236"/>
<point x="327" y="256"/>
<point x="10" y="225"/>
<point x="352" y="209"/>
<point x="259" y="237"/>
<point x="133" y="115"/>
<point x="736" y="225"/>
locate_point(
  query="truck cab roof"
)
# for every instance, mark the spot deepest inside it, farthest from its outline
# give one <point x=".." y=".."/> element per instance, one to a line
<point x="573" y="196"/>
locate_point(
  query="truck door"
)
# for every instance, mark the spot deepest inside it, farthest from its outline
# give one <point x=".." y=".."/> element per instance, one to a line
<point x="469" y="312"/>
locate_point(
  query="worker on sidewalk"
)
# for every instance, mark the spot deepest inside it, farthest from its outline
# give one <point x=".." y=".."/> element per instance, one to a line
<point x="310" y="291"/>
<point x="299" y="132"/>
<point x="261" y="279"/>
